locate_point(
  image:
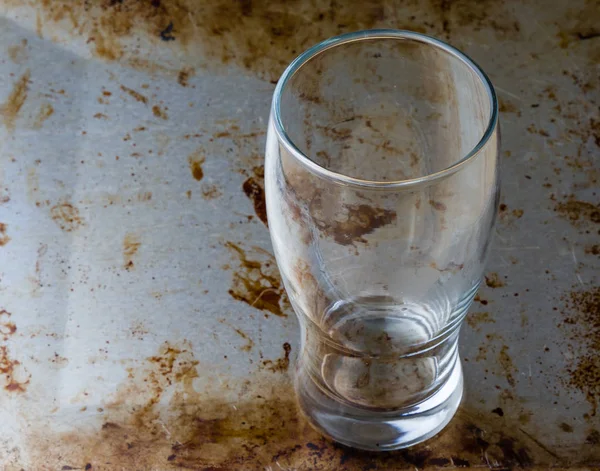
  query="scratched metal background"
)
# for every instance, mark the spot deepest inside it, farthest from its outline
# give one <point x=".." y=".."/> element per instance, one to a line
<point x="133" y="248"/>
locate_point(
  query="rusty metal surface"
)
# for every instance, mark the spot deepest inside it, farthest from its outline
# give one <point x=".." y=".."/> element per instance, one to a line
<point x="143" y="324"/>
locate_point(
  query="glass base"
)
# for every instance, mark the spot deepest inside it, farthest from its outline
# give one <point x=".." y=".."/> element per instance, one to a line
<point x="377" y="430"/>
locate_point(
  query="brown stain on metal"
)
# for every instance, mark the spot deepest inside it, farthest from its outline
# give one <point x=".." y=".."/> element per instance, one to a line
<point x="493" y="280"/>
<point x="487" y="345"/>
<point x="507" y="365"/>
<point x="580" y="24"/>
<point x="210" y="192"/>
<point x="578" y="212"/>
<point x="565" y="427"/>
<point x="260" y="37"/>
<point x="184" y="76"/>
<point x="258" y="283"/>
<point x="9" y="110"/>
<point x="508" y="107"/>
<point x="592" y="249"/>
<point x="17" y="53"/>
<point x="45" y="111"/>
<point x="593" y="437"/>
<point x="4" y="238"/>
<point x="131" y="245"/>
<point x="257" y="36"/>
<point x="159" y="112"/>
<point x="157" y="419"/>
<point x="280" y="365"/>
<point x="4" y="195"/>
<point x="66" y="216"/>
<point x="144" y="196"/>
<point x="15" y="377"/>
<point x="254" y="189"/>
<point x="250" y="342"/>
<point x="476" y="16"/>
<point x="582" y="324"/>
<point x="137" y="96"/>
<point x="195" y="160"/>
<point x="7" y="327"/>
<point x="37" y="279"/>
<point x="475" y="319"/>
<point x="9" y="369"/>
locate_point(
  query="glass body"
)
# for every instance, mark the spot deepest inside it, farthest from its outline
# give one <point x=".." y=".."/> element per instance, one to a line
<point x="382" y="185"/>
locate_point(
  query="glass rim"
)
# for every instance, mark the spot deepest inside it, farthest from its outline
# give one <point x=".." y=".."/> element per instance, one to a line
<point x="356" y="36"/>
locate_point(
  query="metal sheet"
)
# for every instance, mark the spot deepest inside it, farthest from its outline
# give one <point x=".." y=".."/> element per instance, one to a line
<point x="133" y="334"/>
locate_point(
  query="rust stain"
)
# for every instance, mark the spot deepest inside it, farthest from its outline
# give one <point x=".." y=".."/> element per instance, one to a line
<point x="9" y="110"/>
<point x="18" y="52"/>
<point x="174" y="426"/>
<point x="196" y="159"/>
<point x="138" y="330"/>
<point x="184" y="76"/>
<point x="137" y="96"/>
<point x="59" y="360"/>
<point x="487" y="346"/>
<point x="565" y="427"/>
<point x="475" y="16"/>
<point x="16" y="377"/>
<point x="258" y="283"/>
<point x="37" y="279"/>
<point x="4" y="195"/>
<point x="507" y="365"/>
<point x="508" y="107"/>
<point x="4" y="238"/>
<point x="582" y="323"/>
<point x="249" y="342"/>
<point x="260" y="37"/>
<point x="280" y="365"/>
<point x="45" y="111"/>
<point x="66" y="216"/>
<point x="108" y="47"/>
<point x="131" y="245"/>
<point x="254" y="189"/>
<point x="159" y="112"/>
<point x="210" y="192"/>
<point x="593" y="249"/>
<point x="144" y="196"/>
<point x="475" y="319"/>
<point x="509" y="216"/>
<point x="7" y="327"/>
<point x="493" y="281"/>
<point x="593" y="438"/>
<point x="579" y="211"/>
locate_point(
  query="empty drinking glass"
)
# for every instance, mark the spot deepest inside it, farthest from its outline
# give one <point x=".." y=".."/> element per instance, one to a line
<point x="382" y="186"/>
